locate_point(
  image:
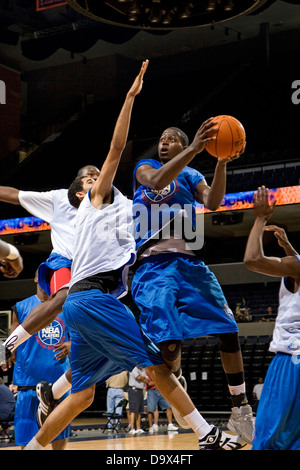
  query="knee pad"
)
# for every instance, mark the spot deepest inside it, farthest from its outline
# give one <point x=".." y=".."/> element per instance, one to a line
<point x="229" y="342"/>
<point x="170" y="350"/>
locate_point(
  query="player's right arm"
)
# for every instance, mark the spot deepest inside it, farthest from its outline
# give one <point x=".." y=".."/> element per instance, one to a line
<point x="158" y="179"/>
<point x="101" y="191"/>
<point x="10" y="195"/>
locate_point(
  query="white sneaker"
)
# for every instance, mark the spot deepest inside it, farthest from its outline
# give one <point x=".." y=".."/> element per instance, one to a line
<point x="132" y="431"/>
<point x="242" y="422"/>
<point x="172" y="427"/>
<point x="140" y="431"/>
<point x="155" y="427"/>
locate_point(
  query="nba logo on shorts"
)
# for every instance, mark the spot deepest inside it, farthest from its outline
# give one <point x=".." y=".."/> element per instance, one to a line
<point x="2" y="92"/>
<point x="51" y="335"/>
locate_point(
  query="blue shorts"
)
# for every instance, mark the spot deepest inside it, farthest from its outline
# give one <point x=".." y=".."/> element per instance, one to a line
<point x="180" y="298"/>
<point x="26" y="425"/>
<point x="105" y="338"/>
<point x="155" y="398"/>
<point x="278" y="413"/>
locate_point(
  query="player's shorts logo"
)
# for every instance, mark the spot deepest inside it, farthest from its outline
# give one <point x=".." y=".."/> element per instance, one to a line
<point x="161" y="195"/>
<point x="51" y="335"/>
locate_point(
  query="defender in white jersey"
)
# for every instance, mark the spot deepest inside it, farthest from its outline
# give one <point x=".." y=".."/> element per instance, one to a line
<point x="105" y="337"/>
<point x="53" y="207"/>
<point x="278" y="413"/>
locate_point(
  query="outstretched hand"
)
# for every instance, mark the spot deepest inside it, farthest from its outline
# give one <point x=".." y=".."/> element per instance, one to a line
<point x="138" y="82"/>
<point x="262" y="207"/>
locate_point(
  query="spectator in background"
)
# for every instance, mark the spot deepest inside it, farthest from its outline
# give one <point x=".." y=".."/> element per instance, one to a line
<point x="257" y="389"/>
<point x="7" y="405"/>
<point x="270" y="316"/>
<point x="155" y="398"/>
<point x="137" y="381"/>
<point x="243" y="315"/>
<point x="115" y="394"/>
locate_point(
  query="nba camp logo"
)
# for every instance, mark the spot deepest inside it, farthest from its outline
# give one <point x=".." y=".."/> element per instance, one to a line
<point x="2" y="92"/>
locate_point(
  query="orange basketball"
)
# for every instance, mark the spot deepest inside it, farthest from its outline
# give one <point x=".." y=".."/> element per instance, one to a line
<point x="230" y="137"/>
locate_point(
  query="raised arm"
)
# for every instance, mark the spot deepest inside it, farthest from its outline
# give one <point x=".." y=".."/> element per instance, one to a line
<point x="254" y="257"/>
<point x="101" y="191"/>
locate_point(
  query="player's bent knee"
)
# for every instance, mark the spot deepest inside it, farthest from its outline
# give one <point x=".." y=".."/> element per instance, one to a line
<point x="229" y="342"/>
<point x="84" y="398"/>
<point x="170" y="350"/>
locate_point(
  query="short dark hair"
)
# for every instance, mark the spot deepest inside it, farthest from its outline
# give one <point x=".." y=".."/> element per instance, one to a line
<point x="183" y="136"/>
<point x="73" y="189"/>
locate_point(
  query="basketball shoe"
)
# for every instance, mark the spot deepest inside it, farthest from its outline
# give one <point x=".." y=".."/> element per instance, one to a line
<point x="242" y="422"/>
<point x="47" y="402"/>
<point x="220" y="440"/>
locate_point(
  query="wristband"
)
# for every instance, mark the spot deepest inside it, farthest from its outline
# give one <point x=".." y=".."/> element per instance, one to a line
<point x="13" y="253"/>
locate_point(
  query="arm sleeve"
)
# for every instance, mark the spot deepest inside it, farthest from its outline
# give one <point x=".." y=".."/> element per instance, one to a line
<point x="39" y="204"/>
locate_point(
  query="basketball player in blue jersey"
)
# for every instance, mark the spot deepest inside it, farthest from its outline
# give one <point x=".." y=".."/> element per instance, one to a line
<point x="105" y="337"/>
<point x="36" y="360"/>
<point x="178" y="296"/>
<point x="278" y="414"/>
<point x="54" y="274"/>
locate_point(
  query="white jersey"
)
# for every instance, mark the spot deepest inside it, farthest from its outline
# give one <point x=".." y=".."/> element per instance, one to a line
<point x="286" y="334"/>
<point x="104" y="239"/>
<point x="53" y="207"/>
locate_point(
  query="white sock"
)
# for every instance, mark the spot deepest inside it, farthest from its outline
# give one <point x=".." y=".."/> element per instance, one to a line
<point x="198" y="424"/>
<point x="60" y="387"/>
<point x="34" y="445"/>
<point x="237" y="389"/>
<point x="18" y="336"/>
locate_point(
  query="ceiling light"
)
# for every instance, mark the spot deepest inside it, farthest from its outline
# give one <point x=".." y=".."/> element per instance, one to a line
<point x="164" y="14"/>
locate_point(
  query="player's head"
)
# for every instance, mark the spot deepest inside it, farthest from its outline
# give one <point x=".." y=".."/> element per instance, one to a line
<point x="172" y="141"/>
<point x="84" y="180"/>
<point x="88" y="171"/>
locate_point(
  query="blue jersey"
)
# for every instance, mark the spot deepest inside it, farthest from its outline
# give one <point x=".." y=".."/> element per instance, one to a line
<point x="35" y="359"/>
<point x="178" y="195"/>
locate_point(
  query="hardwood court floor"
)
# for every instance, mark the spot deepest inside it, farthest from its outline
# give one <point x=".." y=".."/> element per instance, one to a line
<point x="161" y="441"/>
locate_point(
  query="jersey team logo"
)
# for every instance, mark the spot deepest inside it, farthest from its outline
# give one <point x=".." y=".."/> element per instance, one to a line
<point x="52" y="335"/>
<point x="161" y="195"/>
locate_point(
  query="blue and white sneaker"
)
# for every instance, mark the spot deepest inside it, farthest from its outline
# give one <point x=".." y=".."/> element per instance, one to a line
<point x="47" y="402"/>
<point x="217" y="439"/>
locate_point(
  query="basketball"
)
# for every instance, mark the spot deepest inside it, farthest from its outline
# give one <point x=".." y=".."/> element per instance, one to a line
<point x="230" y="137"/>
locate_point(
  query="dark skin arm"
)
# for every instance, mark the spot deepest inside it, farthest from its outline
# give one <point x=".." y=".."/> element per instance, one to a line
<point x="254" y="258"/>
<point x="9" y="195"/>
<point x="101" y="191"/>
<point x="210" y="196"/>
<point x="159" y="179"/>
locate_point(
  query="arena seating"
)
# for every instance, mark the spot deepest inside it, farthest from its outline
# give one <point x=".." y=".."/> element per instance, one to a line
<point x="203" y="370"/>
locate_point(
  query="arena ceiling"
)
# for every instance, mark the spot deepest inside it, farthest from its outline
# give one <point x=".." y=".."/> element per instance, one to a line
<point x="57" y="35"/>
